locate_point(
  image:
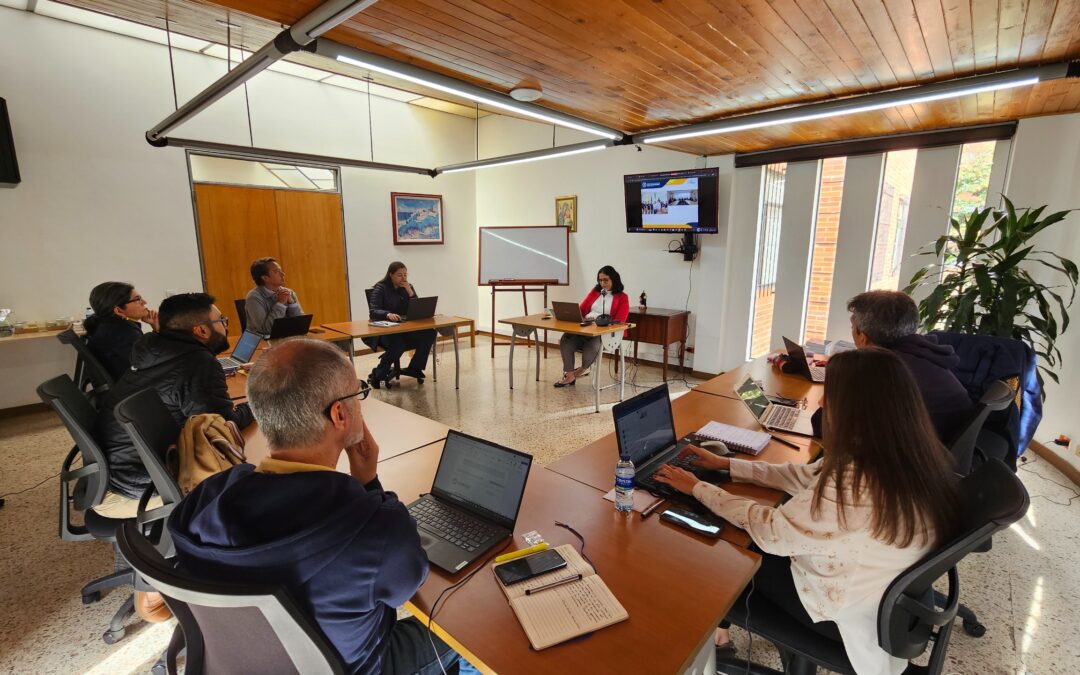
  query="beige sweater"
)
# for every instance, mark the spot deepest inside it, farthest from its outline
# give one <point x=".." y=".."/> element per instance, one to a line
<point x="840" y="573"/>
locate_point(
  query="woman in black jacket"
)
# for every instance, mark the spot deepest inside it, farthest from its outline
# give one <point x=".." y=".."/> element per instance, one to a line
<point x="389" y="301"/>
<point x="115" y="324"/>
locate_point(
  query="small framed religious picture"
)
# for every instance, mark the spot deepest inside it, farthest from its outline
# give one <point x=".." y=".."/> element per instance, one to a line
<point x="566" y="212"/>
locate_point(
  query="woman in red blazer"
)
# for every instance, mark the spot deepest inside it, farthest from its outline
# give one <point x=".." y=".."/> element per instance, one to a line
<point x="607" y="297"/>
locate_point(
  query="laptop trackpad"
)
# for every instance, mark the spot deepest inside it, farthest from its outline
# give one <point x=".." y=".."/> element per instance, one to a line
<point x="442" y="553"/>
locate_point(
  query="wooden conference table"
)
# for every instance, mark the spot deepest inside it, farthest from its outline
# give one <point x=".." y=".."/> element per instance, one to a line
<point x="772" y="382"/>
<point x="531" y="325"/>
<point x="445" y="325"/>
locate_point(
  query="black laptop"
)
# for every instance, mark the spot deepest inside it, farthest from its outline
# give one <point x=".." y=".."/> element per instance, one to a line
<point x="290" y="326"/>
<point x="421" y="308"/>
<point x="242" y="352"/>
<point x="566" y="311"/>
<point x="797" y="364"/>
<point x="645" y="430"/>
<point x="473" y="503"/>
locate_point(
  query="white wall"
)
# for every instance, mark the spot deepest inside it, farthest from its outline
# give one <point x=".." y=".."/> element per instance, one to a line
<point x="1046" y="170"/>
<point x="97" y="202"/>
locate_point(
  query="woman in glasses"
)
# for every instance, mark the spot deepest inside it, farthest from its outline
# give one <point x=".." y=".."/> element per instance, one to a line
<point x="119" y="312"/>
<point x="883" y="496"/>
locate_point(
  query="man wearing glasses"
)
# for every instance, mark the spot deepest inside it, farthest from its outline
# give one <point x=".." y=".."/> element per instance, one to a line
<point x="343" y="547"/>
<point x="179" y="361"/>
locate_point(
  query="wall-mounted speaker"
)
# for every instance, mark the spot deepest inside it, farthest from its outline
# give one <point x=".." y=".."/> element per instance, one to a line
<point x="9" y="166"/>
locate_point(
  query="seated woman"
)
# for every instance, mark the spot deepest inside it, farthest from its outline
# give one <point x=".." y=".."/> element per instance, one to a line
<point x="883" y="497"/>
<point x="114" y="326"/>
<point x="607" y="297"/>
<point x="389" y="301"/>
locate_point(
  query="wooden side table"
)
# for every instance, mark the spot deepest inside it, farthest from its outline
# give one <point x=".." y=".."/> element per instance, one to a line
<point x="659" y="326"/>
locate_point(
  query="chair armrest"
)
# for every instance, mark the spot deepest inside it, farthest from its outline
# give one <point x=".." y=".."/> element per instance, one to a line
<point x="932" y="615"/>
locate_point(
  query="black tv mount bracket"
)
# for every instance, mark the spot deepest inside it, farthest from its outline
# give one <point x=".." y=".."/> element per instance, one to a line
<point x="688" y="247"/>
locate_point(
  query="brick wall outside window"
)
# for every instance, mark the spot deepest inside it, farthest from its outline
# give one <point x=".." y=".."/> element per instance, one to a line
<point x="826" y="233"/>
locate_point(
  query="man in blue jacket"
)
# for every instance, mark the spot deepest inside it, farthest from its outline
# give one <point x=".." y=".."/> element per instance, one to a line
<point x="347" y="550"/>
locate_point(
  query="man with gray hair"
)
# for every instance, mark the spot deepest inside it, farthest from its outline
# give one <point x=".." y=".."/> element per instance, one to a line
<point x="347" y="550"/>
<point x="890" y="319"/>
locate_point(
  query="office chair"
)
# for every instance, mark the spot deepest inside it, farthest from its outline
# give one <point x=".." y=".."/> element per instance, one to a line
<point x="241" y="312"/>
<point x="373" y="345"/>
<point x="997" y="396"/>
<point x="230" y="628"/>
<point x="993" y="498"/>
<point x="91" y="377"/>
<point x="152" y="429"/>
<point x="83" y="488"/>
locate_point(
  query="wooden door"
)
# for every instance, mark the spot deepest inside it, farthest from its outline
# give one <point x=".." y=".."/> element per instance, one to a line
<point x="302" y="230"/>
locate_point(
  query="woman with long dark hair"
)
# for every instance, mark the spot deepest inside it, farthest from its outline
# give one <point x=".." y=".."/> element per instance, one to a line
<point x="389" y="301"/>
<point x="882" y="497"/>
<point x="607" y="297"/>
<point x="115" y="325"/>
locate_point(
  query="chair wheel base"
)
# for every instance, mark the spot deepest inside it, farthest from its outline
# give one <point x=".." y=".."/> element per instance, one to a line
<point x="111" y="637"/>
<point x="159" y="669"/>
<point x="91" y="598"/>
<point x="974" y="628"/>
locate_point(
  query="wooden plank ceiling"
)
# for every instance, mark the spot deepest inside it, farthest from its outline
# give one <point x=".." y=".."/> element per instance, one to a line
<point x="639" y="65"/>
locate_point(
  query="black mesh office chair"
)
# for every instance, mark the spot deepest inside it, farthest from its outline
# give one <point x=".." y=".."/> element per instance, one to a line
<point x="152" y="429"/>
<point x="231" y="628"/>
<point x="373" y="345"/>
<point x="993" y="499"/>
<point x="241" y="312"/>
<point x="84" y="487"/>
<point x="90" y="376"/>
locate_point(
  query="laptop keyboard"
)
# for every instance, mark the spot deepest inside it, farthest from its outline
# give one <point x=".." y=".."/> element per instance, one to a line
<point x="783" y="417"/>
<point x="453" y="526"/>
<point x="817" y="373"/>
<point x="229" y="362"/>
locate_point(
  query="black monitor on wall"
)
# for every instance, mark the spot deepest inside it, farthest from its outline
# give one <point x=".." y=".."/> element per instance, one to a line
<point x="682" y="202"/>
<point x="9" y="167"/>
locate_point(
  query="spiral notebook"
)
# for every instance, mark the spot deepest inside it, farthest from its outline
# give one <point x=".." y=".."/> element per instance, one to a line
<point x="739" y="439"/>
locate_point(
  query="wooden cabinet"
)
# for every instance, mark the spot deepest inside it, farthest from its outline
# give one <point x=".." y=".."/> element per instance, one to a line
<point x="659" y="326"/>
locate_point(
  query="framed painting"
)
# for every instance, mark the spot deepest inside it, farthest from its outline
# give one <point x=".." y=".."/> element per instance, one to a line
<point x="417" y="219"/>
<point x="566" y="212"/>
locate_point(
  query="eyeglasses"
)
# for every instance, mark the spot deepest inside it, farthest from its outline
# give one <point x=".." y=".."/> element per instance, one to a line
<point x="137" y="298"/>
<point x="224" y="321"/>
<point x="365" y="390"/>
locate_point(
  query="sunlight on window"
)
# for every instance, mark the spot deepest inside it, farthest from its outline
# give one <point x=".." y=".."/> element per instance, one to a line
<point x="768" y="252"/>
<point x="1015" y="527"/>
<point x="893" y="205"/>
<point x="1032" y="623"/>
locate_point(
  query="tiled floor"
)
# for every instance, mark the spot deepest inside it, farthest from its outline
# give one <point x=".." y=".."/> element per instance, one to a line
<point x="1026" y="590"/>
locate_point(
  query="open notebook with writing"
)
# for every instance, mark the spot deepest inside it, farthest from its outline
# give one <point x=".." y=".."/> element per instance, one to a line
<point x="564" y="612"/>
<point x="736" y="438"/>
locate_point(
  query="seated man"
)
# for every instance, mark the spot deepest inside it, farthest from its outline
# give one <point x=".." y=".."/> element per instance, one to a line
<point x="345" y="549"/>
<point x="179" y="362"/>
<point x="270" y="299"/>
<point x="114" y="327"/>
<point x="889" y="319"/>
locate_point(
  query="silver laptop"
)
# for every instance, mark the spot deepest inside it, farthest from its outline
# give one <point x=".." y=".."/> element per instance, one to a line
<point x="242" y="353"/>
<point x="566" y="311"/>
<point x="473" y="503"/>
<point x="799" y="365"/>
<point x="770" y="415"/>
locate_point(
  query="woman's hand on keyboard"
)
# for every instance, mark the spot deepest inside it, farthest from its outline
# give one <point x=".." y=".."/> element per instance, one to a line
<point x="705" y="459"/>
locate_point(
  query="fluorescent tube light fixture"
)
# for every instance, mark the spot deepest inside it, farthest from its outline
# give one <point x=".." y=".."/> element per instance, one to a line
<point x="860" y="104"/>
<point x="536" y="155"/>
<point x="489" y="100"/>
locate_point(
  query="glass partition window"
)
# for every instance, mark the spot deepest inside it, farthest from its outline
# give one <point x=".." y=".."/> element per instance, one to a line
<point x="893" y="204"/>
<point x="826" y="234"/>
<point x="767" y="258"/>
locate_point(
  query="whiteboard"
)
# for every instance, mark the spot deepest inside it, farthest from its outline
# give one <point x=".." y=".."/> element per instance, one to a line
<point x="520" y="254"/>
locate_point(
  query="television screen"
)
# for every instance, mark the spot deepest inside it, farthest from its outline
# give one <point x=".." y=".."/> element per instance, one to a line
<point x="672" y="201"/>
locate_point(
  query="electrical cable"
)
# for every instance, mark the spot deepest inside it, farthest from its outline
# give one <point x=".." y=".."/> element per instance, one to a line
<point x="750" y="633"/>
<point x="32" y="487"/>
<point x="577" y="534"/>
<point x="1024" y="461"/>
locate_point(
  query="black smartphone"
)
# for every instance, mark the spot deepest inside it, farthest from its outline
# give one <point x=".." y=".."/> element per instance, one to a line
<point x="530" y="566"/>
<point x="692" y="521"/>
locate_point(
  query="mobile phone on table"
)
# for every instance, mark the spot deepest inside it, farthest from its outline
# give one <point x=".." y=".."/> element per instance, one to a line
<point x="694" y="522"/>
<point x="523" y="569"/>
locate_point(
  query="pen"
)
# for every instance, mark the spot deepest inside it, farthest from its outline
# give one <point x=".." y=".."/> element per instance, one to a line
<point x="785" y="441"/>
<point x="553" y="584"/>
<point x="651" y="507"/>
<point x="514" y="555"/>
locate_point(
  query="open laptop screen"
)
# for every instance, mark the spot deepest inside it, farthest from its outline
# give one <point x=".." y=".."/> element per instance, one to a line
<point x="753" y="397"/>
<point x="246" y="346"/>
<point x="643" y="425"/>
<point x="482" y="476"/>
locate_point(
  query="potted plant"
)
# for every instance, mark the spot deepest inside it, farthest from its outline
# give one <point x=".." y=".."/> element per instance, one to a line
<point x="983" y="283"/>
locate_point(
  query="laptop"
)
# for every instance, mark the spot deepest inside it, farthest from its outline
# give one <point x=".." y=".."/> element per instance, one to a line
<point x="798" y="364"/>
<point x="773" y="416"/>
<point x="290" y="326"/>
<point x="566" y="311"/>
<point x="474" y="501"/>
<point x="420" y="308"/>
<point x="645" y="430"/>
<point x="242" y="352"/>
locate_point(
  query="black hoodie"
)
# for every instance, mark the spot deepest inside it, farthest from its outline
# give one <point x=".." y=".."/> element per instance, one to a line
<point x="111" y="340"/>
<point x="189" y="380"/>
<point x="349" y="554"/>
<point x="932" y="364"/>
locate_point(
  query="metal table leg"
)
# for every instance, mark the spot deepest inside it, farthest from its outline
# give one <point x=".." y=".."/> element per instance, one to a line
<point x="435" y="357"/>
<point x="513" y="342"/>
<point x="622" y="374"/>
<point x="457" y="363"/>
<point x="597" y="367"/>
<point x="536" y="341"/>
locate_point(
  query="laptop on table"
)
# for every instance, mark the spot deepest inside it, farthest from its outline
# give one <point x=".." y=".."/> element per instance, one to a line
<point x="420" y="308"/>
<point x="290" y="326"/>
<point x="645" y="430"/>
<point x="474" y="501"/>
<point x="566" y="311"/>
<point x="242" y="352"/>
<point x="798" y="364"/>
<point x="770" y="415"/>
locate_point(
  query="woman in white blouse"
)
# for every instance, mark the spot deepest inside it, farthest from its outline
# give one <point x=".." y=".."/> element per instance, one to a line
<point x="883" y="497"/>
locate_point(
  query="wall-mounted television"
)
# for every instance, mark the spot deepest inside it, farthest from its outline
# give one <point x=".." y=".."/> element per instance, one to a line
<point x="684" y="202"/>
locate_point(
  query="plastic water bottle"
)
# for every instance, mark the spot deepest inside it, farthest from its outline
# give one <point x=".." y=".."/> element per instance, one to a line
<point x="624" y="484"/>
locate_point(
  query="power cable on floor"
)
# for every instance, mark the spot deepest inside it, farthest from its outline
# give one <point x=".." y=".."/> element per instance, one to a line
<point x="33" y="487"/>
